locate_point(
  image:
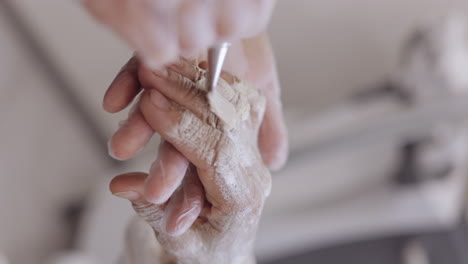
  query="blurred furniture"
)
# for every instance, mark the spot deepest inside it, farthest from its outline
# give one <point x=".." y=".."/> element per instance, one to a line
<point x="391" y="162"/>
<point x="343" y="189"/>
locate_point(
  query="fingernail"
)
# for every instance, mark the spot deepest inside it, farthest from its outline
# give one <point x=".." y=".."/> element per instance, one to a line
<point x="110" y="150"/>
<point x="129" y="195"/>
<point x="159" y="100"/>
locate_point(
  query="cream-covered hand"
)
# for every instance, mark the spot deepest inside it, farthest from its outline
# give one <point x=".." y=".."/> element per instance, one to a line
<point x="251" y="59"/>
<point x="162" y="30"/>
<point x="210" y="212"/>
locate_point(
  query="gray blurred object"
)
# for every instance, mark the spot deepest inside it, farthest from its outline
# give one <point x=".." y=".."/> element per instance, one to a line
<point x="429" y="88"/>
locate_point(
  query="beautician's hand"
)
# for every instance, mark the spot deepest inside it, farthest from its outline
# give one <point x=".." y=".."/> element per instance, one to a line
<point x="251" y="60"/>
<point x="162" y="30"/>
<point x="210" y="212"/>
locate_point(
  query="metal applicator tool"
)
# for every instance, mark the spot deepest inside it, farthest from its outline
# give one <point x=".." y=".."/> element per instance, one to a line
<point x="216" y="57"/>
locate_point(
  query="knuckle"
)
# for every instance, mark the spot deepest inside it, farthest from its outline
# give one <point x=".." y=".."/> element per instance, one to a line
<point x="191" y="91"/>
<point x="213" y="120"/>
<point x="186" y="83"/>
<point x="150" y="213"/>
<point x="196" y="73"/>
<point x="189" y="126"/>
<point x="199" y="73"/>
<point x="179" y="79"/>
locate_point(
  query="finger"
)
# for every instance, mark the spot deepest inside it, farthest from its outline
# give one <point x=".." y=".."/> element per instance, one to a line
<point x="185" y="205"/>
<point x="257" y="18"/>
<point x="202" y="144"/>
<point x="123" y="89"/>
<point x="148" y="27"/>
<point x="273" y="138"/>
<point x="160" y="50"/>
<point x="194" y="138"/>
<point x="130" y="186"/>
<point x="217" y="108"/>
<point x="179" y="83"/>
<point x="227" y="76"/>
<point x="166" y="174"/>
<point x="273" y="135"/>
<point x="230" y="18"/>
<point x="236" y="61"/>
<point x="242" y="18"/>
<point x="195" y="26"/>
<point x="198" y="141"/>
<point x="188" y="69"/>
<point x="131" y="137"/>
<point x="159" y="33"/>
<point x="179" y="89"/>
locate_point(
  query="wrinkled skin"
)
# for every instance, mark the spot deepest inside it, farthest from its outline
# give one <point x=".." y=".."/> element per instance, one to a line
<point x="162" y="30"/>
<point x="209" y="212"/>
<point x="251" y="60"/>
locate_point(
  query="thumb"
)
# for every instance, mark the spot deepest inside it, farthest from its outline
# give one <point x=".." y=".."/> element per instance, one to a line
<point x="273" y="137"/>
<point x="131" y="186"/>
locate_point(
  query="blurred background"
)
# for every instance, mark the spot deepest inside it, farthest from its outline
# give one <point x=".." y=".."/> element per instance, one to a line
<point x="356" y="188"/>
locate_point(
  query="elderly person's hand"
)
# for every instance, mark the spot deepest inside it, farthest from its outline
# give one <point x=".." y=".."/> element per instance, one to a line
<point x="162" y="30"/>
<point x="251" y="60"/>
<point x="210" y="212"/>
